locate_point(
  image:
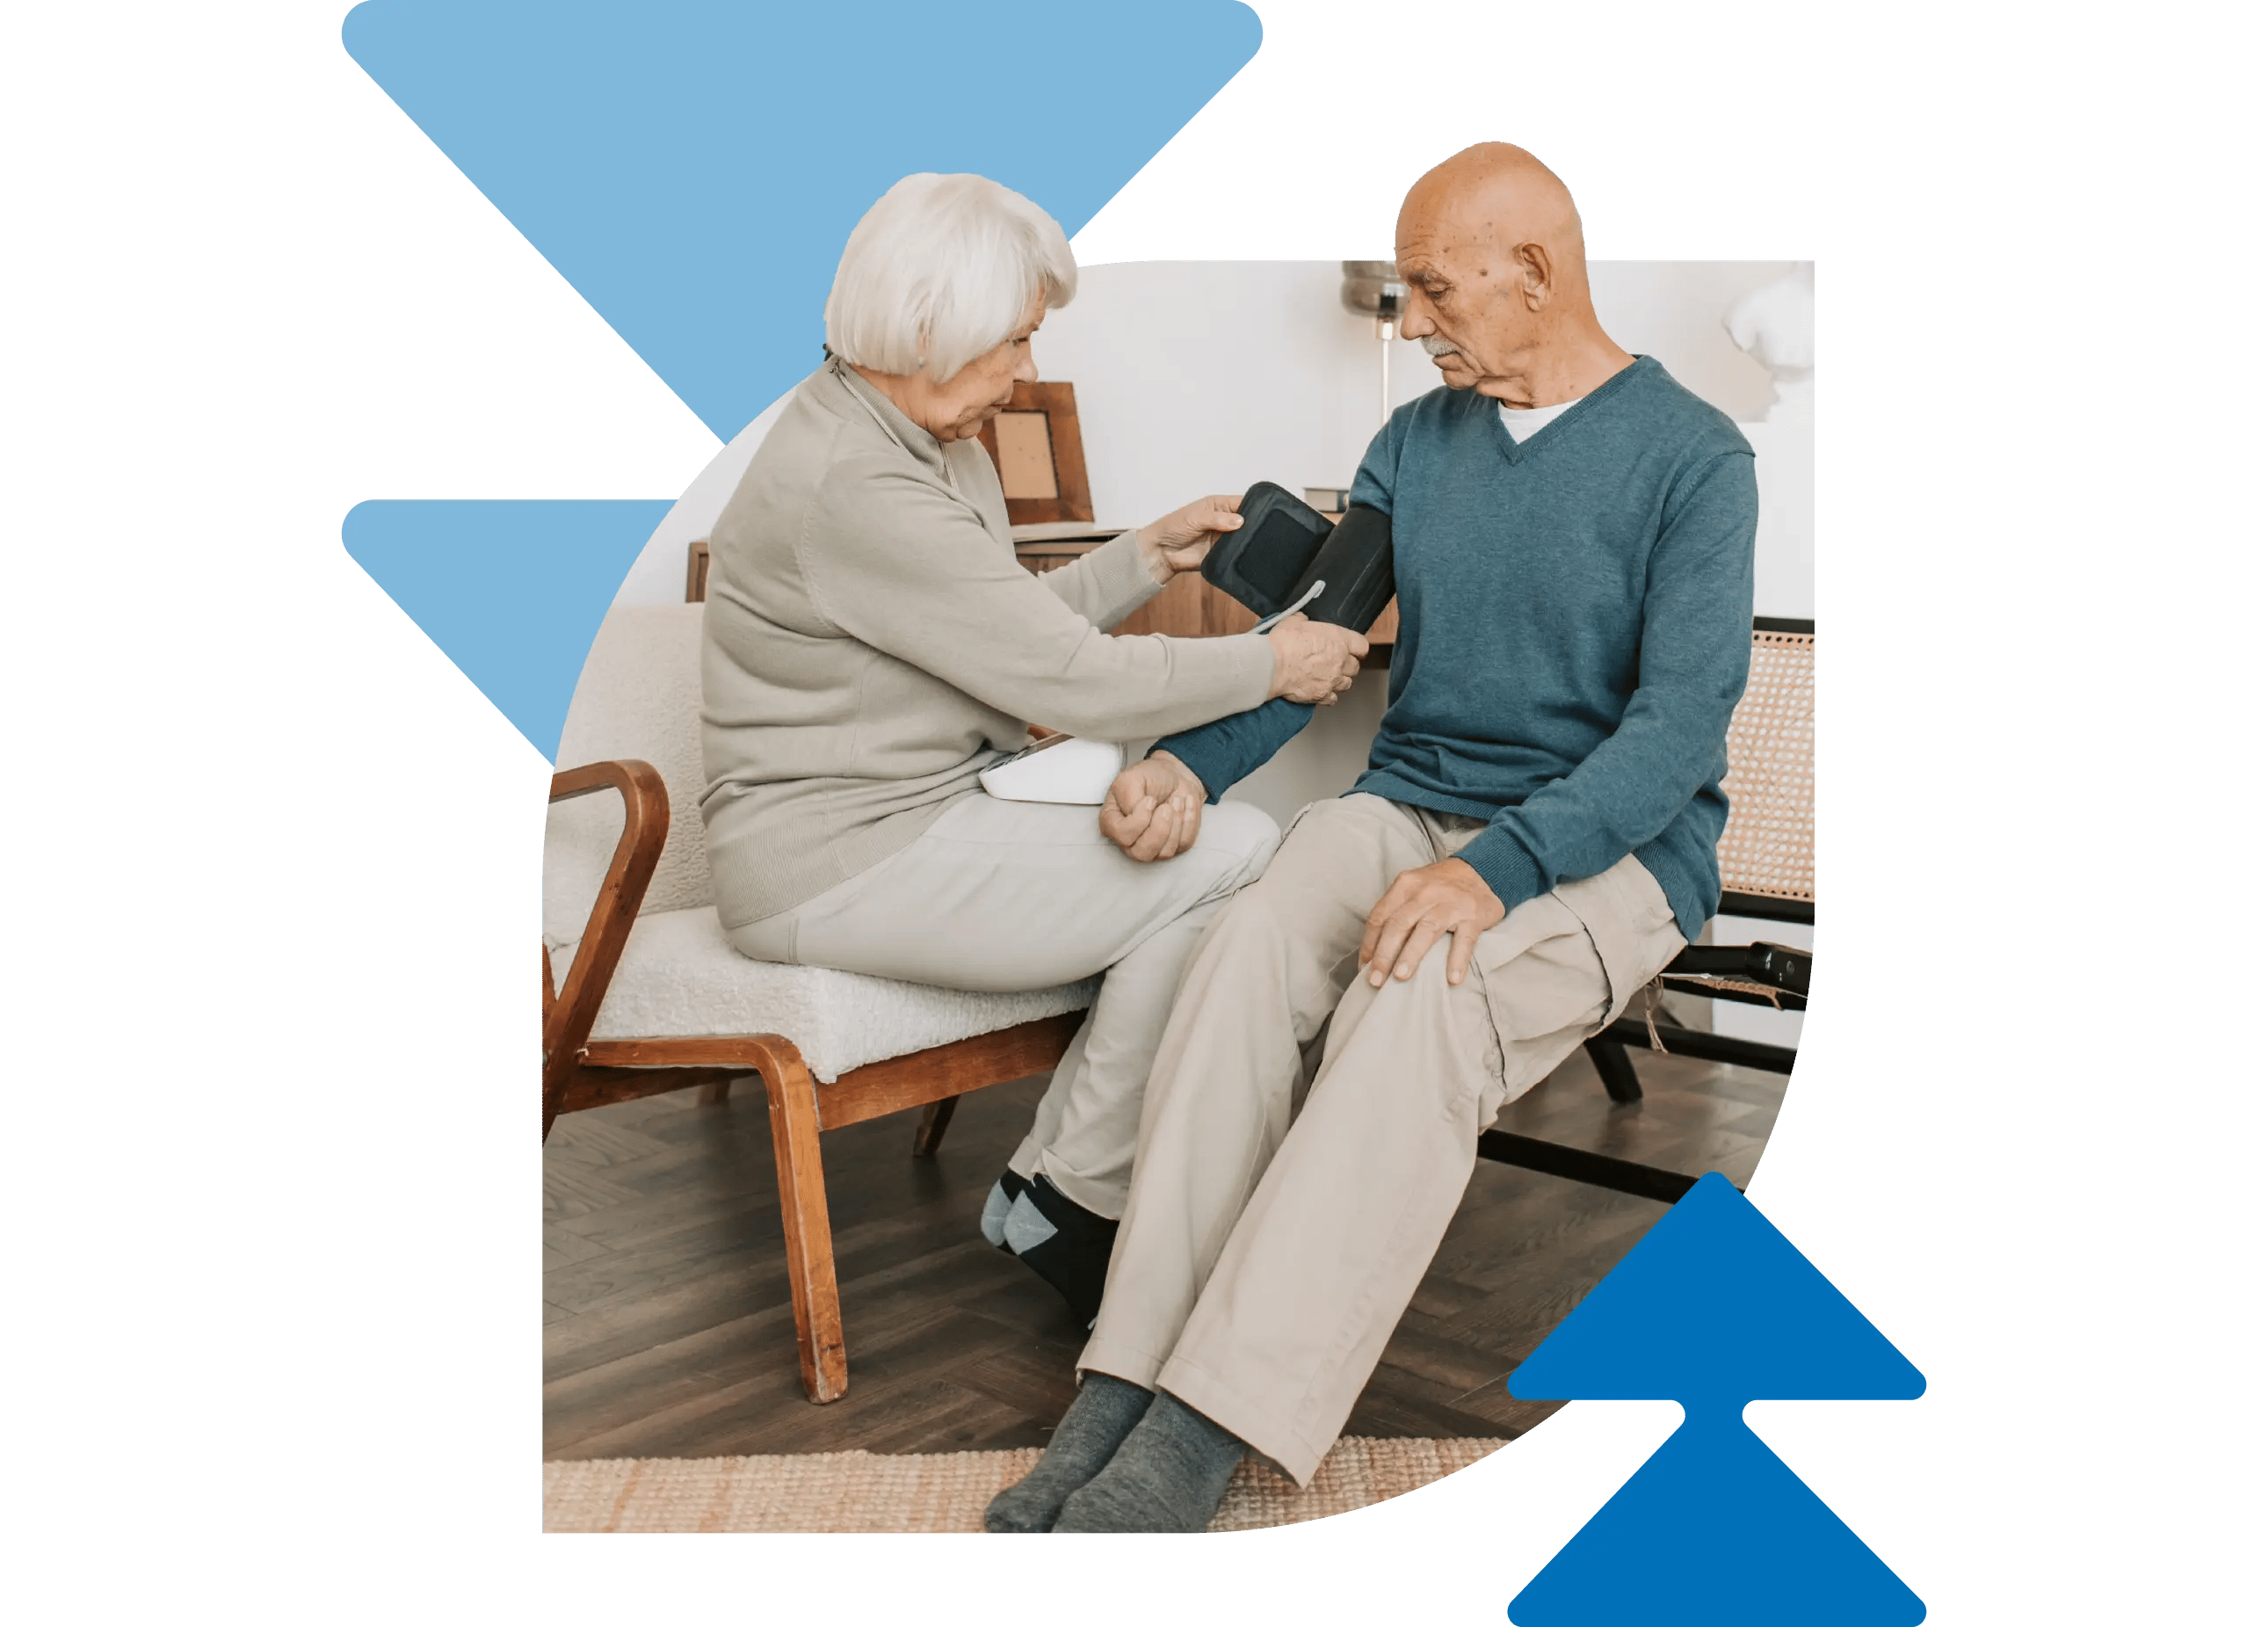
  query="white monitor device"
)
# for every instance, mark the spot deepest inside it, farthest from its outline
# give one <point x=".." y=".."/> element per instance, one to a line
<point x="1061" y="768"/>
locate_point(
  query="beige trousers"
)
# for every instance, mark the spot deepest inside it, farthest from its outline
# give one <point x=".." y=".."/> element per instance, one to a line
<point x="1270" y="1243"/>
<point x="999" y="896"/>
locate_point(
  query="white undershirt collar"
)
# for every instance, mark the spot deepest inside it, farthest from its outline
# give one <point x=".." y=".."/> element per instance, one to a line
<point x="1521" y="422"/>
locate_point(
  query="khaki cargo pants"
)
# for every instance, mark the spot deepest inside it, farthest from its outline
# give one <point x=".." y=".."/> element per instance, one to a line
<point x="1270" y="1242"/>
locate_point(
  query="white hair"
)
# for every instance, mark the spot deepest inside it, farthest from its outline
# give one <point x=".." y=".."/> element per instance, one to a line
<point x="941" y="269"/>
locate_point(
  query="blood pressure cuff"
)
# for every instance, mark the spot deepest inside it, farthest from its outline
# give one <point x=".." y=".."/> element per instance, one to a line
<point x="1285" y="548"/>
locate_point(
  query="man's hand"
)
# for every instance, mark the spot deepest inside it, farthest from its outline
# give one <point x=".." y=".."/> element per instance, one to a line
<point x="1181" y="540"/>
<point x="1154" y="808"/>
<point x="1421" y="906"/>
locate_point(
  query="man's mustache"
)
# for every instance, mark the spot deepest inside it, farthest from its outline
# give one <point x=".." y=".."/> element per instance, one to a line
<point x="1436" y="345"/>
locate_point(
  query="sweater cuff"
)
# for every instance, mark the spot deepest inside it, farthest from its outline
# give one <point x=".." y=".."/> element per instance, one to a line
<point x="1245" y="665"/>
<point x="1210" y="760"/>
<point x="1121" y="578"/>
<point x="1511" y="872"/>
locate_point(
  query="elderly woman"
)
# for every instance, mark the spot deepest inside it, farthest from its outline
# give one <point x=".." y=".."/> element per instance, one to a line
<point x="871" y="643"/>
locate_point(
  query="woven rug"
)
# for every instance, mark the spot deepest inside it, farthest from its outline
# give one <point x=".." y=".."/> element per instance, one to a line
<point x="946" y="1492"/>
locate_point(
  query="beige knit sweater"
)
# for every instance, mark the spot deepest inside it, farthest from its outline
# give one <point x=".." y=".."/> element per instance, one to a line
<point x="870" y="643"/>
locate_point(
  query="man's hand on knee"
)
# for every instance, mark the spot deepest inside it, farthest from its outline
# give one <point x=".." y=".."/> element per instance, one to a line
<point x="1421" y="905"/>
<point x="1154" y="808"/>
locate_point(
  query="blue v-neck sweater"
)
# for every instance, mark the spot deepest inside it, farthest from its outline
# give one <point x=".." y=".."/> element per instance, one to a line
<point x="1575" y="630"/>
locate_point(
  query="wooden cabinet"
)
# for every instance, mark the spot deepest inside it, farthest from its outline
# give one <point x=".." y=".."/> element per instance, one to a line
<point x="1188" y="607"/>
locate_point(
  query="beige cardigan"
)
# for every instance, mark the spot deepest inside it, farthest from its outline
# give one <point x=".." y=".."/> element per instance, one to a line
<point x="871" y="642"/>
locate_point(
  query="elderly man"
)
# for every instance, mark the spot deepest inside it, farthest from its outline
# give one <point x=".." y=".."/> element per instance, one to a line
<point x="1536" y="837"/>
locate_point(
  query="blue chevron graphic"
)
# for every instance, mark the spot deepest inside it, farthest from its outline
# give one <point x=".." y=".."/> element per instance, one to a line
<point x="1714" y="1309"/>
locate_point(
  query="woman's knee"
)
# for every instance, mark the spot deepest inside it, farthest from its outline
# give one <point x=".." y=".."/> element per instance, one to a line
<point x="1241" y="831"/>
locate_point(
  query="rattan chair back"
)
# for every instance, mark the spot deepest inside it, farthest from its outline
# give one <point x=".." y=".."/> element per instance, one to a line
<point x="1766" y="848"/>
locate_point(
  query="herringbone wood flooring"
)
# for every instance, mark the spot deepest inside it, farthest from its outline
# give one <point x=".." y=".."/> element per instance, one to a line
<point x="665" y="1300"/>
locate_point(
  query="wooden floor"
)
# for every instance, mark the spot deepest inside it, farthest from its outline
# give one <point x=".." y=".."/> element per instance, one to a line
<point x="665" y="1300"/>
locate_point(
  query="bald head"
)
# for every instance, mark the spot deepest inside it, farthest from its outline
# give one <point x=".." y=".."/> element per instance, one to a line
<point x="1494" y="197"/>
<point x="1491" y="247"/>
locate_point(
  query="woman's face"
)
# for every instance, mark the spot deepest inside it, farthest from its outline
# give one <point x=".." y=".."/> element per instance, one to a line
<point x="958" y="409"/>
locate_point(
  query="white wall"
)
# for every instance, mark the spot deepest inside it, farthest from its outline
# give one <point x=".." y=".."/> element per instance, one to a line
<point x="1199" y="376"/>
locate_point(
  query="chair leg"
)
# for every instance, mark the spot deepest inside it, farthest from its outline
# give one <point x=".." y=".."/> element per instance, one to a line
<point x="794" y="1103"/>
<point x="930" y="1131"/>
<point x="555" y="1075"/>
<point x="1615" y="1070"/>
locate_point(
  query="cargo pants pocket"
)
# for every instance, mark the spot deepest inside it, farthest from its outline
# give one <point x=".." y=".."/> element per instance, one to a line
<point x="1543" y="979"/>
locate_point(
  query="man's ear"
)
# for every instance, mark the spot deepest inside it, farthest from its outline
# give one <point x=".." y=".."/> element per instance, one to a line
<point x="1532" y="267"/>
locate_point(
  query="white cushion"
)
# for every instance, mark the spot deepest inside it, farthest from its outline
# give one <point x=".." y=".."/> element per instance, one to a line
<point x="639" y="696"/>
<point x="679" y="976"/>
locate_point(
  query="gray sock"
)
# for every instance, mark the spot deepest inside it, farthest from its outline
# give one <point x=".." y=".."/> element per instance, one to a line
<point x="1101" y="1415"/>
<point x="1170" y="1475"/>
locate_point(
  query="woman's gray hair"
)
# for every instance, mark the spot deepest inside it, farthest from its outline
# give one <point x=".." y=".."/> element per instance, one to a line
<point x="941" y="269"/>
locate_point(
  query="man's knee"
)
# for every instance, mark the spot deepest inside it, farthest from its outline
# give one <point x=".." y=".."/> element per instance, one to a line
<point x="1426" y="995"/>
<point x="1320" y="880"/>
<point x="1243" y="833"/>
<point x="1422" y="1017"/>
<point x="1270" y="945"/>
<point x="1251" y="934"/>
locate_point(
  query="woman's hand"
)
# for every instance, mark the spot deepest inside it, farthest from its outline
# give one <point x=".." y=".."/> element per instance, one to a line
<point x="1181" y="541"/>
<point x="1315" y="662"/>
<point x="1154" y="808"/>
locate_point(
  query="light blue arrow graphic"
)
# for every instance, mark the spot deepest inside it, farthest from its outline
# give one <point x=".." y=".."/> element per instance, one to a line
<point x="513" y="592"/>
<point x="693" y="168"/>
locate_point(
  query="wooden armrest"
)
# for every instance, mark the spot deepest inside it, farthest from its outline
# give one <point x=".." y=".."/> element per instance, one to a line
<point x="645" y="825"/>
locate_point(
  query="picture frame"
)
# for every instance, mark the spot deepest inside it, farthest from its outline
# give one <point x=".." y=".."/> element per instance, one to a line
<point x="1035" y="446"/>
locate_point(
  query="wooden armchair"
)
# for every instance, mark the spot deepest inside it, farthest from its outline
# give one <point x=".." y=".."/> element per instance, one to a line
<point x="653" y="998"/>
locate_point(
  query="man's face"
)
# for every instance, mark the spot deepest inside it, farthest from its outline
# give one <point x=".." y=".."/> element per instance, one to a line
<point x="1467" y="306"/>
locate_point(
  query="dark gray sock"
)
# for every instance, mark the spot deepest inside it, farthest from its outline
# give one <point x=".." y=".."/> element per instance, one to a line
<point x="1170" y="1475"/>
<point x="1103" y="1414"/>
